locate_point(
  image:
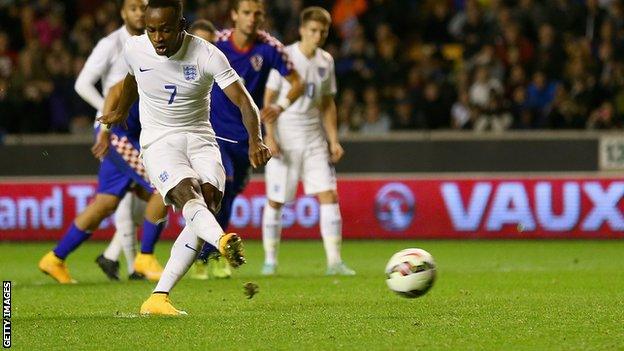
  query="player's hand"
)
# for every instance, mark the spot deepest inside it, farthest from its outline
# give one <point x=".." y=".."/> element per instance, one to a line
<point x="273" y="146"/>
<point x="336" y="152"/>
<point x="270" y="113"/>
<point x="259" y="154"/>
<point x="115" y="117"/>
<point x="100" y="147"/>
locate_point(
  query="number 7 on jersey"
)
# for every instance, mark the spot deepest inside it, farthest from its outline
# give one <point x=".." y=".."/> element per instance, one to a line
<point x="173" y="93"/>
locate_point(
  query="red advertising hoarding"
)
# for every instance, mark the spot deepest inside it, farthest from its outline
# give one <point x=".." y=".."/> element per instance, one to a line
<point x="372" y="208"/>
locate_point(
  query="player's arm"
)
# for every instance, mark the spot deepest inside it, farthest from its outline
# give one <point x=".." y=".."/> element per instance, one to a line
<point x="272" y="111"/>
<point x="271" y="93"/>
<point x="100" y="147"/>
<point x="296" y="88"/>
<point x="127" y="97"/>
<point x="270" y="96"/>
<point x="85" y="87"/>
<point x="91" y="73"/>
<point x="259" y="154"/>
<point x="330" y="124"/>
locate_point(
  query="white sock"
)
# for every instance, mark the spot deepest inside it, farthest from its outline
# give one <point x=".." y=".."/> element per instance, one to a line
<point x="129" y="241"/>
<point x="113" y="250"/>
<point x="123" y="225"/>
<point x="202" y="222"/>
<point x="271" y="232"/>
<point x="331" y="231"/>
<point x="183" y="254"/>
<point x="138" y="210"/>
<point x="128" y="245"/>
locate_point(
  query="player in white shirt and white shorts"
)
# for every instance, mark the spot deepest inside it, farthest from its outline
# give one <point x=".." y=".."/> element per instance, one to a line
<point x="304" y="142"/>
<point x="172" y="72"/>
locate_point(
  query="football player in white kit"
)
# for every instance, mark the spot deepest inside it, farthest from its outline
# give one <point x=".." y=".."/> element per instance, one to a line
<point x="172" y="72"/>
<point x="106" y="64"/>
<point x="304" y="142"/>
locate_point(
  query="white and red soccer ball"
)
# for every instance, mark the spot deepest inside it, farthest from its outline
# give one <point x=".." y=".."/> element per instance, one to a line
<point x="411" y="272"/>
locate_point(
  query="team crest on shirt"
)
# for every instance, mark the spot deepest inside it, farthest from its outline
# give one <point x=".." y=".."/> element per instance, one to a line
<point x="190" y="72"/>
<point x="256" y="62"/>
<point x="322" y="71"/>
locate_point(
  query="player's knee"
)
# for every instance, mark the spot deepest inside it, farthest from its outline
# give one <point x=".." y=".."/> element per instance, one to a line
<point x="187" y="189"/>
<point x="124" y="225"/>
<point x="142" y="193"/>
<point x="156" y="208"/>
<point x="212" y="197"/>
<point x="106" y="204"/>
<point x="328" y="197"/>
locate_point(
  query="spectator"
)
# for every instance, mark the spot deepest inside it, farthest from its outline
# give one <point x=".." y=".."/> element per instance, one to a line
<point x="513" y="48"/>
<point x="461" y="113"/>
<point x="434" y="110"/>
<point x="483" y="87"/>
<point x="7" y="57"/>
<point x="31" y="88"/>
<point x="436" y="23"/>
<point x="549" y="53"/>
<point x="404" y="115"/>
<point x="540" y="96"/>
<point x="349" y="112"/>
<point x="565" y="113"/>
<point x="603" y="117"/>
<point x="375" y="121"/>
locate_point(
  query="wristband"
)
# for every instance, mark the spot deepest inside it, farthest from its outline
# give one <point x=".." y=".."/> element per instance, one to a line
<point x="283" y="102"/>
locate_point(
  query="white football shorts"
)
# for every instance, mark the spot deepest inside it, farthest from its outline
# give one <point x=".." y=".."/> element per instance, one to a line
<point x="183" y="155"/>
<point x="311" y="165"/>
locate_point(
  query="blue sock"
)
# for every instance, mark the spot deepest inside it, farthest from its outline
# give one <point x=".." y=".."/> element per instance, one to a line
<point x="151" y="233"/>
<point x="206" y="250"/>
<point x="223" y="217"/>
<point x="70" y="241"/>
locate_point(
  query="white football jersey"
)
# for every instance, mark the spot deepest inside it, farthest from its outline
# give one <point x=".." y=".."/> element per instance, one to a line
<point x="175" y="91"/>
<point x="106" y="60"/>
<point x="302" y="120"/>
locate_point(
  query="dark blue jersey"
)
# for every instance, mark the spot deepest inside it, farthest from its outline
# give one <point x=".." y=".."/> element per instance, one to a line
<point x="253" y="65"/>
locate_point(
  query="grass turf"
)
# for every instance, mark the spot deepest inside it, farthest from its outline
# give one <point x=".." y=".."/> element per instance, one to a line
<point x="520" y="295"/>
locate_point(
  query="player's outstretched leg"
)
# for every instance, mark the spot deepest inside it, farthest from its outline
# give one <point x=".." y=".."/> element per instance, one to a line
<point x="331" y="231"/>
<point x="146" y="264"/>
<point x="271" y="233"/>
<point x="53" y="263"/>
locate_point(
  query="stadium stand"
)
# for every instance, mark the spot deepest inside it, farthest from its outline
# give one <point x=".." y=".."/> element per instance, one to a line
<point x="487" y="65"/>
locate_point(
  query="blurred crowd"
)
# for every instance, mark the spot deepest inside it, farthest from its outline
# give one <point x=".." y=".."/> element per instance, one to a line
<point x="487" y="65"/>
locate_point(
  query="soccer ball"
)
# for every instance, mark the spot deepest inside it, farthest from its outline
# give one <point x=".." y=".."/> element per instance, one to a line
<point x="411" y="272"/>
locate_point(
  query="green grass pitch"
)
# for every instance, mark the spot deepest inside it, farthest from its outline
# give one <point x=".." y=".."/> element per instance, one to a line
<point x="517" y="295"/>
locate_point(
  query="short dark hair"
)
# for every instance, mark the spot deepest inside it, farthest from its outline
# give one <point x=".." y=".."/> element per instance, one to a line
<point x="202" y="24"/>
<point x="159" y="4"/>
<point x="236" y="3"/>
